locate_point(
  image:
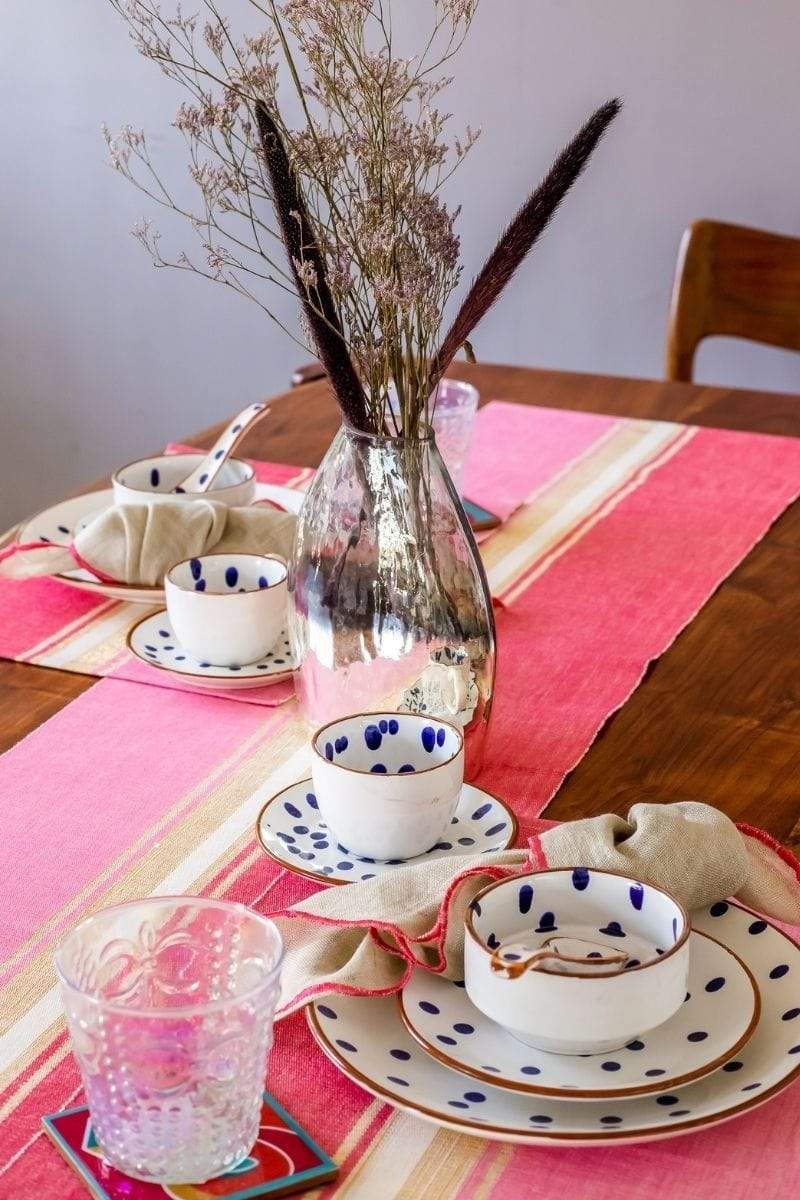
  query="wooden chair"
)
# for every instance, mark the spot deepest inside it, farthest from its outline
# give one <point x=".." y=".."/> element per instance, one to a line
<point x="731" y="281"/>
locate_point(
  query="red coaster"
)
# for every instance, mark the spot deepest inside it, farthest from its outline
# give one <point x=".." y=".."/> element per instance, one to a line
<point x="284" y="1160"/>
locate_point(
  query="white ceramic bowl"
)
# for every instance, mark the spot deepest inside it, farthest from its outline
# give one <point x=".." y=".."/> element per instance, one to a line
<point x="578" y="1013"/>
<point x="151" y="480"/>
<point x="388" y="784"/>
<point x="227" y="609"/>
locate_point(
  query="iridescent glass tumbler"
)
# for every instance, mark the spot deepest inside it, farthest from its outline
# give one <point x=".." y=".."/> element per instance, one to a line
<point x="170" y="1004"/>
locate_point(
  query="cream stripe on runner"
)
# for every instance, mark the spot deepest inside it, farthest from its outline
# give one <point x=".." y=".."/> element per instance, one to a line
<point x="389" y="1160"/>
<point x="67" y="630"/>
<point x="536" y="529"/>
<point x="96" y="645"/>
<point x="538" y="565"/>
<point x="206" y="856"/>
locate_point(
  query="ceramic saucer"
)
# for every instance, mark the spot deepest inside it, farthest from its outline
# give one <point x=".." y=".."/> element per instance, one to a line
<point x="716" y="1019"/>
<point x="62" y="521"/>
<point x="153" y="642"/>
<point x="369" y="1043"/>
<point x="291" y="831"/>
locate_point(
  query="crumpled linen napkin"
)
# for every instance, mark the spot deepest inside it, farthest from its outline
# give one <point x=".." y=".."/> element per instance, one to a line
<point x="137" y="543"/>
<point x="367" y="938"/>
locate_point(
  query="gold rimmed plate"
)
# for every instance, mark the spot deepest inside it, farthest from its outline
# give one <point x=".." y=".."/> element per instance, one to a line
<point x="291" y="831"/>
<point x="152" y="640"/>
<point x="367" y="1040"/>
<point x="716" y="1019"/>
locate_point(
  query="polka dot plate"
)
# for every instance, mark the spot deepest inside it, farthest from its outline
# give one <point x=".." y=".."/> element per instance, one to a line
<point x="153" y="642"/>
<point x="291" y="831"/>
<point x="716" y="1019"/>
<point x="367" y="1040"/>
<point x="62" y="521"/>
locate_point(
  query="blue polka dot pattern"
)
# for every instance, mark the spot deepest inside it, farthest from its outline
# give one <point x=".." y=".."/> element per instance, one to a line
<point x="231" y="576"/>
<point x="525" y="898"/>
<point x="757" y="927"/>
<point x="779" y="971"/>
<point x="636" y="893"/>
<point x="714" y="985"/>
<point x="428" y="738"/>
<point x="613" y="929"/>
<point x="719" y="909"/>
<point x="580" y="879"/>
<point x="155" y="477"/>
<point x="373" y="737"/>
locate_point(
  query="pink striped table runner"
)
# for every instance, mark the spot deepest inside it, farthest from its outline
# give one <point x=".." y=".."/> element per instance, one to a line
<point x="626" y="529"/>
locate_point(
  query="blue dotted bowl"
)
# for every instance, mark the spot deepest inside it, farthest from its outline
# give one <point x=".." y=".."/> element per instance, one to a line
<point x="388" y="783"/>
<point x="593" y="1010"/>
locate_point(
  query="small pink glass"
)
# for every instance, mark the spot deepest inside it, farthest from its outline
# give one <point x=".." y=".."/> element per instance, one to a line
<point x="456" y="404"/>
<point x="170" y="1004"/>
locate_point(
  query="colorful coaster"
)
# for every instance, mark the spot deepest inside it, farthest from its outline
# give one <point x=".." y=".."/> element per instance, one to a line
<point x="284" y="1160"/>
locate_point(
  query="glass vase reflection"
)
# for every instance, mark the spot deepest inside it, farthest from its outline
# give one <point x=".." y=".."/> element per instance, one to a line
<point x="389" y="602"/>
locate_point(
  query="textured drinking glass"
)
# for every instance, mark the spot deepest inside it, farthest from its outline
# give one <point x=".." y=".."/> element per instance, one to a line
<point x="389" y="604"/>
<point x="170" y="1004"/>
<point x="453" y="422"/>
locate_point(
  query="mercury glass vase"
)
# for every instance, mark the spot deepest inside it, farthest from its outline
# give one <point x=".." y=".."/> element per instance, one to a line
<point x="389" y="602"/>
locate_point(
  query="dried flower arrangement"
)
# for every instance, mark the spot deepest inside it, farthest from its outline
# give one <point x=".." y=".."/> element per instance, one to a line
<point x="364" y="236"/>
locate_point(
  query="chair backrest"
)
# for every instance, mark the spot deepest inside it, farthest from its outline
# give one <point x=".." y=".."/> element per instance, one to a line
<point x="731" y="281"/>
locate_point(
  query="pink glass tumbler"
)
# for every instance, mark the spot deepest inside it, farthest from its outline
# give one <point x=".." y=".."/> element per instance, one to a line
<point x="170" y="1004"/>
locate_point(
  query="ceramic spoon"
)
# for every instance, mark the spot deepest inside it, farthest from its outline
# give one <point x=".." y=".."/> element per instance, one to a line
<point x="204" y="475"/>
<point x="512" y="960"/>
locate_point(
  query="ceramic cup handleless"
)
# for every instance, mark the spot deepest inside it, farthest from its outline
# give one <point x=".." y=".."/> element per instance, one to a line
<point x="576" y="1009"/>
<point x="387" y="783"/>
<point x="227" y="609"/>
<point x="151" y="480"/>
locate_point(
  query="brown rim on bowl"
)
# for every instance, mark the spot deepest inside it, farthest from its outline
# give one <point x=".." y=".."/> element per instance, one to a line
<point x="598" y="871"/>
<point x="388" y="714"/>
<point x="227" y="554"/>
<point x="183" y="454"/>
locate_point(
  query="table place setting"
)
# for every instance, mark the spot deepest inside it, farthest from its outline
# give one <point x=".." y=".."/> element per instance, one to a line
<point x="285" y="906"/>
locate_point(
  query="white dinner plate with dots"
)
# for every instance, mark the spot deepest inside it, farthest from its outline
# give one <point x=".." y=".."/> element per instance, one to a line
<point x="367" y="1040"/>
<point x="153" y="641"/>
<point x="290" y="829"/>
<point x="715" y="1021"/>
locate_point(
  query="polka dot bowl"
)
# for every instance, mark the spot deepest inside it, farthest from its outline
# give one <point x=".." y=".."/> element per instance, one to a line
<point x="227" y="609"/>
<point x="388" y="784"/>
<point x="151" y="480"/>
<point x="577" y="1013"/>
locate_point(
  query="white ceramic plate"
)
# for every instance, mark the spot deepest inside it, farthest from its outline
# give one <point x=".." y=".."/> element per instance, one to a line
<point x="716" y="1019"/>
<point x="60" y="522"/>
<point x="369" y="1043"/>
<point x="152" y="641"/>
<point x="291" y="831"/>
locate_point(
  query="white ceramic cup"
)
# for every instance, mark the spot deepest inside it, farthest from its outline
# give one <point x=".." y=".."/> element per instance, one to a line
<point x="227" y="609"/>
<point x="388" y="783"/>
<point x="151" y="480"/>
<point x="586" y="1013"/>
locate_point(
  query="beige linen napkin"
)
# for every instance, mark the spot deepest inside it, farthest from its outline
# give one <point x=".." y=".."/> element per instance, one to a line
<point x="367" y="938"/>
<point x="137" y="543"/>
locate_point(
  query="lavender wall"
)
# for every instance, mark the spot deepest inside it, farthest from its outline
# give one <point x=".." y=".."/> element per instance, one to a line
<point x="103" y="358"/>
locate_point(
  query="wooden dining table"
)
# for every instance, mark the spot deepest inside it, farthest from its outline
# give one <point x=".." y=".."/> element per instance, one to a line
<point x="717" y="716"/>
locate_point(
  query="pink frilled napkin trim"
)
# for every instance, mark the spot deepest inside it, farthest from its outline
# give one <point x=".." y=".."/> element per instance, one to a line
<point x="368" y="938"/>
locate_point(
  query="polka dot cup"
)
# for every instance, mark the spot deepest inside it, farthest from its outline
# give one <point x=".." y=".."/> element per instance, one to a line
<point x="580" y="1013"/>
<point x="227" y="609"/>
<point x="388" y="784"/>
<point x="151" y="480"/>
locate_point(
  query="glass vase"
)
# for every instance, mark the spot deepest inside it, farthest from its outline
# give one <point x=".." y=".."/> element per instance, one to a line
<point x="389" y="603"/>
